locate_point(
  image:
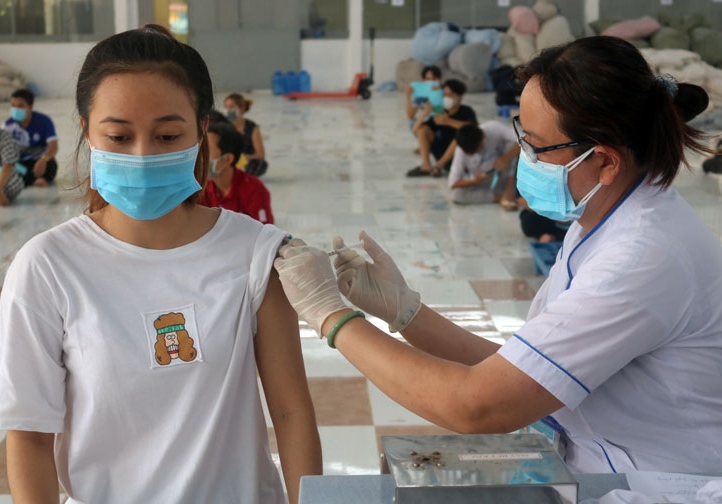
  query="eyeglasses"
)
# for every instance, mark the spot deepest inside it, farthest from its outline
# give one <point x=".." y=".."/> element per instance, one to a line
<point x="528" y="148"/>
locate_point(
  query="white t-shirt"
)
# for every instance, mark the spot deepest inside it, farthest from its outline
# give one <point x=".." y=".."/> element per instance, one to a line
<point x="498" y="139"/>
<point x="627" y="333"/>
<point x="142" y="361"/>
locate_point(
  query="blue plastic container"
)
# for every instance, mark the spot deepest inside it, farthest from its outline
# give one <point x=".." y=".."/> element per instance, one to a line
<point x="291" y="81"/>
<point x="304" y="80"/>
<point x="278" y="83"/>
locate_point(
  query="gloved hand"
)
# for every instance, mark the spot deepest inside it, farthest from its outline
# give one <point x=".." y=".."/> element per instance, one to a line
<point x="309" y="283"/>
<point x="377" y="288"/>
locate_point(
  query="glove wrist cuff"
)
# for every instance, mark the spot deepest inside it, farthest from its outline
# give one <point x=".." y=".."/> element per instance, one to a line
<point x="410" y="306"/>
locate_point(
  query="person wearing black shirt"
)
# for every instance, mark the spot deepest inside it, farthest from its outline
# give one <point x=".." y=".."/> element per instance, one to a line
<point x="436" y="133"/>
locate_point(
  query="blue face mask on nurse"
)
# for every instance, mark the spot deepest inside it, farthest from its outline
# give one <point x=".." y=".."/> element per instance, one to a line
<point x="544" y="186"/>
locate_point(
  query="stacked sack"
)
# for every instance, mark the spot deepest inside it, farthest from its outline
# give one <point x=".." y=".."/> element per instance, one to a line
<point x="463" y="55"/>
<point x="690" y="32"/>
<point x="10" y="80"/>
<point x="532" y="30"/>
<point x="470" y="55"/>
<point x="684" y="47"/>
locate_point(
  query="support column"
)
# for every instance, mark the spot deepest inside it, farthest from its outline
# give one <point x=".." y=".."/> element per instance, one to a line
<point x="354" y="48"/>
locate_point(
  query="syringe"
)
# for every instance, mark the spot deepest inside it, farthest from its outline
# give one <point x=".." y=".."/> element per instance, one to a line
<point x="347" y="247"/>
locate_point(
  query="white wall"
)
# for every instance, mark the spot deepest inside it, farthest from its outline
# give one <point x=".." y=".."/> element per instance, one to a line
<point x="52" y="67"/>
<point x="327" y="61"/>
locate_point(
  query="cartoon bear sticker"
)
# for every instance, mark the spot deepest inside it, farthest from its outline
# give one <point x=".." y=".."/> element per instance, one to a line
<point x="172" y="339"/>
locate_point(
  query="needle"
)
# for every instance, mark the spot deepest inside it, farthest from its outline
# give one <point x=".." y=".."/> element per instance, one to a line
<point x="347" y="247"/>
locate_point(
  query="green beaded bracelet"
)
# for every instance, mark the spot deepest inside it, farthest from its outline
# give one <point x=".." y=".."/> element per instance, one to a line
<point x="340" y="323"/>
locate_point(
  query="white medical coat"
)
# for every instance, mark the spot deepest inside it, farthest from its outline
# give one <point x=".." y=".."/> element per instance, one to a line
<point x="627" y="333"/>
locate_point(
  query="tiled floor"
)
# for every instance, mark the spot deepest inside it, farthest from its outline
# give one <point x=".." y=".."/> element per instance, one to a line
<point x="337" y="167"/>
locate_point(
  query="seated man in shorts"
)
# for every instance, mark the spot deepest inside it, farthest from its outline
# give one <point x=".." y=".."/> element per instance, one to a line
<point x="436" y="135"/>
<point x="35" y="134"/>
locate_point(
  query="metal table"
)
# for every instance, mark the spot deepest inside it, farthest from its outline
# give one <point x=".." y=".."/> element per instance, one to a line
<point x="379" y="489"/>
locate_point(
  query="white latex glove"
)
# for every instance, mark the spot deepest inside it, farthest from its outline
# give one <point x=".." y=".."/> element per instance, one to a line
<point x="378" y="287"/>
<point x="309" y="283"/>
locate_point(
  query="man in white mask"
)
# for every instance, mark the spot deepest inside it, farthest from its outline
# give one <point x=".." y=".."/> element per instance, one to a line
<point x="436" y="135"/>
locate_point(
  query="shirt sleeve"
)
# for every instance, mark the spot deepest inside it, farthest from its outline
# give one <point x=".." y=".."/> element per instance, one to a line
<point x="50" y="133"/>
<point x="32" y="372"/>
<point x="456" y="172"/>
<point x="265" y="251"/>
<point x="618" y="307"/>
<point x="466" y="114"/>
<point x="256" y="200"/>
<point x="9" y="150"/>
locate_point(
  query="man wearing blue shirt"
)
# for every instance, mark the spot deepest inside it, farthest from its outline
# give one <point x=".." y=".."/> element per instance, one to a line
<point x="35" y="134"/>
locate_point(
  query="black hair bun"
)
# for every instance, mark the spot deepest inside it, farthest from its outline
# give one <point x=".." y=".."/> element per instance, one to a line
<point x="691" y="100"/>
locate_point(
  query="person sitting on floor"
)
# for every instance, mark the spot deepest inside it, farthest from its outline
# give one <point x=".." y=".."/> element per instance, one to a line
<point x="430" y="73"/>
<point x="35" y="134"/>
<point x="714" y="164"/>
<point x="228" y="187"/>
<point x="11" y="182"/>
<point x="236" y="106"/>
<point x="436" y="135"/>
<point x="542" y="229"/>
<point x="484" y="166"/>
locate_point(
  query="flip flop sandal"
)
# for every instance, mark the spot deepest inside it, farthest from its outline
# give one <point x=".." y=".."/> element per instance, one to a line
<point x="417" y="172"/>
<point x="508" y="205"/>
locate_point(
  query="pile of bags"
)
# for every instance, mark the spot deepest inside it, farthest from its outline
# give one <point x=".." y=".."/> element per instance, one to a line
<point x="10" y="80"/>
<point x="469" y="55"/>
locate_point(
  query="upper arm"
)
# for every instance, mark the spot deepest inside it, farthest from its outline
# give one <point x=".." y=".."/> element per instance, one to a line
<point x="278" y="353"/>
<point x="457" y="167"/>
<point x="258" y="142"/>
<point x="507" y="397"/>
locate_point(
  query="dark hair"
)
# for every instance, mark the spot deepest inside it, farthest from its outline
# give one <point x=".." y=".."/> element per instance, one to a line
<point x="214" y="116"/>
<point x="606" y="94"/>
<point x="455" y="86"/>
<point x="469" y="138"/>
<point x="24" y="94"/>
<point x="230" y="140"/>
<point x="242" y="103"/>
<point x="435" y="71"/>
<point x="150" y="48"/>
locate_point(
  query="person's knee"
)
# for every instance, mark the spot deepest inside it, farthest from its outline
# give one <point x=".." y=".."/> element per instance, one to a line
<point x="425" y="133"/>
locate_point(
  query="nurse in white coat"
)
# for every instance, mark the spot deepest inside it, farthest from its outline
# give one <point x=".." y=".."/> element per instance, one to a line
<point x="623" y="342"/>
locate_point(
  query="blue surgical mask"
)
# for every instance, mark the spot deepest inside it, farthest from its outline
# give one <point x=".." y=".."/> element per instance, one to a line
<point x="144" y="187"/>
<point x="18" y="113"/>
<point x="545" y="189"/>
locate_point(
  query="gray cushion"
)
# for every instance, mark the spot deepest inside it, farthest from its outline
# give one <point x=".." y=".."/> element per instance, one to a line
<point x="470" y="60"/>
<point x="670" y="38"/>
<point x="708" y="44"/>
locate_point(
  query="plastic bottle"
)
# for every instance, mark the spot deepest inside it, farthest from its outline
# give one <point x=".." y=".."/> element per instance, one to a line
<point x="304" y="79"/>
<point x="290" y="81"/>
<point x="278" y="86"/>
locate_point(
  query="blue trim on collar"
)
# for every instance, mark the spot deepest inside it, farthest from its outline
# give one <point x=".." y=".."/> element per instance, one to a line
<point x="606" y="456"/>
<point x="594" y="230"/>
<point x="553" y="362"/>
